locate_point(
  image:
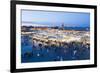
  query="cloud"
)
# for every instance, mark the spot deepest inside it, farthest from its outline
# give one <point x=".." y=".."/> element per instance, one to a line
<point x="31" y="24"/>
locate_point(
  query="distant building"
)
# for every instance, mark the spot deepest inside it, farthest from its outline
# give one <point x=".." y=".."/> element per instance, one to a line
<point x="62" y="27"/>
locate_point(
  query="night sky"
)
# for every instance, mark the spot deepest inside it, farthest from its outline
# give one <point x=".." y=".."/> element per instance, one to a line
<point x="51" y="18"/>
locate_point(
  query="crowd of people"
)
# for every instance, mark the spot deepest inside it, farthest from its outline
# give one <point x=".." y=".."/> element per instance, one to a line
<point x="34" y="50"/>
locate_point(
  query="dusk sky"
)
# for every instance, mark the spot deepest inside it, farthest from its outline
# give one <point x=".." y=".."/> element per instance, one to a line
<point x="50" y="18"/>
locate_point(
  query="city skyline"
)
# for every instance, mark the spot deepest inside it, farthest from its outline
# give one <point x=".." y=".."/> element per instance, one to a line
<point x="51" y="18"/>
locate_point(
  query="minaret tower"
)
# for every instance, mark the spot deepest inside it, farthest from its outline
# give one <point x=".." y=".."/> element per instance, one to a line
<point x="62" y="26"/>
